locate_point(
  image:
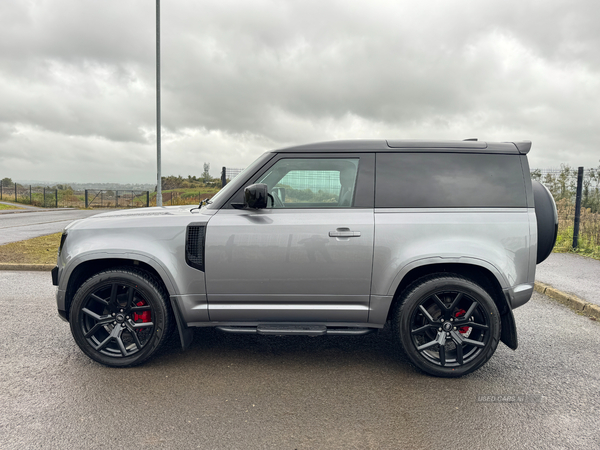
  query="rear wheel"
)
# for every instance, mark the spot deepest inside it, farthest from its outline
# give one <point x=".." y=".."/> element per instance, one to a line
<point x="447" y="325"/>
<point x="120" y="317"/>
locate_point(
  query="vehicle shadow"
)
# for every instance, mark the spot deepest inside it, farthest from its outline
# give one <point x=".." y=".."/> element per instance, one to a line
<point x="378" y="348"/>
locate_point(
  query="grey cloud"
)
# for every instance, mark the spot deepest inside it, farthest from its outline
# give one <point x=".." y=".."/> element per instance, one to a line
<point x="251" y="75"/>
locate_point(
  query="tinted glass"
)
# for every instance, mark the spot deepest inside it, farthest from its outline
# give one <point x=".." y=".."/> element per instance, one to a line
<point x="310" y="183"/>
<point x="446" y="180"/>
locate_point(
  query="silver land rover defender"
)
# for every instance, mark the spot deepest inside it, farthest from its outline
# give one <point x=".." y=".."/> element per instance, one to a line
<point x="441" y="238"/>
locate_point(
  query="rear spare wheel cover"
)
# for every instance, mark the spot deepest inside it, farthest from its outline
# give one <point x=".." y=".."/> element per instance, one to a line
<point x="547" y="220"/>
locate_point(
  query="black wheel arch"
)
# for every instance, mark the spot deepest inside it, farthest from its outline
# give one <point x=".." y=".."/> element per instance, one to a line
<point x="88" y="269"/>
<point x="477" y="274"/>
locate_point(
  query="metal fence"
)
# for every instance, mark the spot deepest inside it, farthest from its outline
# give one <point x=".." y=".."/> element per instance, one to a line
<point x="577" y="195"/>
<point x="232" y="172"/>
<point x="107" y="198"/>
<point x="28" y="195"/>
<point x="182" y="198"/>
<point x="71" y="198"/>
<point x="562" y="183"/>
<point x="228" y="174"/>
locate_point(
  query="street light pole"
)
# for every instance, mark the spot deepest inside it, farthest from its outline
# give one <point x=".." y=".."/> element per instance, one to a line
<point x="158" y="127"/>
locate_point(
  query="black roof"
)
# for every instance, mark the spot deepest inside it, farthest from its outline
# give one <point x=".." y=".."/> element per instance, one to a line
<point x="411" y="145"/>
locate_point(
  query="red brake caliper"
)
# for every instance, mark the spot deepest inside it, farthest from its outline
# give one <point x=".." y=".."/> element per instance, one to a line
<point x="145" y="316"/>
<point x="461" y="313"/>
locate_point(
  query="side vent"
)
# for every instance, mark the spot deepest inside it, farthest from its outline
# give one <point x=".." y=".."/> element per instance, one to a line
<point x="194" y="246"/>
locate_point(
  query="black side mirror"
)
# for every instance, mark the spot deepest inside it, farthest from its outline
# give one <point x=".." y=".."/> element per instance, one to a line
<point x="255" y="196"/>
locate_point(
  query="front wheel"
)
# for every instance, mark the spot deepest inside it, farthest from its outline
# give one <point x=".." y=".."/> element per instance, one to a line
<point x="120" y="317"/>
<point x="448" y="325"/>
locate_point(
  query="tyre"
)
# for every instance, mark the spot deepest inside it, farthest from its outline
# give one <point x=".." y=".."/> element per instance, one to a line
<point x="120" y="317"/>
<point x="448" y="325"/>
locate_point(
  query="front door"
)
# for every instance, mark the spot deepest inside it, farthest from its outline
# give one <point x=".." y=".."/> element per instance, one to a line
<point x="307" y="257"/>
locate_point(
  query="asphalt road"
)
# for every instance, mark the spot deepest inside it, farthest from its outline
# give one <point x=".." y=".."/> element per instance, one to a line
<point x="263" y="392"/>
<point x="573" y="274"/>
<point x="26" y="225"/>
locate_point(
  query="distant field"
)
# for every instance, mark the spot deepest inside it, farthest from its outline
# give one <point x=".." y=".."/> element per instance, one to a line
<point x="108" y="198"/>
<point x="184" y="196"/>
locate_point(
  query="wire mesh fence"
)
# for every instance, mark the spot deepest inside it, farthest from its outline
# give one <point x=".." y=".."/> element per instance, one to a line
<point x="34" y="196"/>
<point x="182" y="198"/>
<point x="232" y="172"/>
<point x="106" y="198"/>
<point x="228" y="174"/>
<point x="324" y="181"/>
<point x="562" y="183"/>
<point x="71" y="198"/>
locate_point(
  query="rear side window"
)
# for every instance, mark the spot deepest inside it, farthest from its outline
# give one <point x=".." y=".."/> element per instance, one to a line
<point x="448" y="180"/>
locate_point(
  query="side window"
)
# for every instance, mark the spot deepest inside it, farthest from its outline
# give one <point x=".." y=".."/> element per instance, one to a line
<point x="311" y="182"/>
<point x="449" y="180"/>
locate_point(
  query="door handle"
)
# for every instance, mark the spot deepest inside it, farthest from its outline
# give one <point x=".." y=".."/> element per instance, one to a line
<point x="344" y="232"/>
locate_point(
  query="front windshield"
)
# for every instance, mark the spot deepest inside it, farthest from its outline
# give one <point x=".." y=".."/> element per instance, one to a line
<point x="234" y="184"/>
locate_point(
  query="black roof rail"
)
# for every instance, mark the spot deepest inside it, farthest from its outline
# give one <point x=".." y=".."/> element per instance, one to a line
<point x="470" y="139"/>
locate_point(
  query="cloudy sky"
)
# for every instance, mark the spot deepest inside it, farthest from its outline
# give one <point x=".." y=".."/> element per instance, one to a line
<point x="240" y="77"/>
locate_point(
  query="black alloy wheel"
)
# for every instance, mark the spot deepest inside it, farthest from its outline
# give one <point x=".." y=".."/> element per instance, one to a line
<point x="448" y="325"/>
<point x="120" y="317"/>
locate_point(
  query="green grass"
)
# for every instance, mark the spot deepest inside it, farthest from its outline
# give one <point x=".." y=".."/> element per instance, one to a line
<point x="585" y="246"/>
<point x="4" y="207"/>
<point x="39" y="250"/>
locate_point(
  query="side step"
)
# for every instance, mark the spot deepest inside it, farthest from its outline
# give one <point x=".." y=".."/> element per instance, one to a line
<point x="302" y="330"/>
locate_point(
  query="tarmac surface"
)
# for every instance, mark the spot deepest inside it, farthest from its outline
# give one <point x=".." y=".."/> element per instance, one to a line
<point x="18" y="225"/>
<point x="572" y="274"/>
<point x="332" y="392"/>
<point x="234" y="391"/>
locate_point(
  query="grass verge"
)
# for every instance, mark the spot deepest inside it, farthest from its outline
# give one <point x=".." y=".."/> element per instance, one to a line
<point x="3" y="207"/>
<point x="587" y="245"/>
<point x="39" y="250"/>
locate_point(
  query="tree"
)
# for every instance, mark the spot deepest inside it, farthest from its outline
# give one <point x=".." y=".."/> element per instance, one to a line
<point x="6" y="182"/>
<point x="206" y="175"/>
